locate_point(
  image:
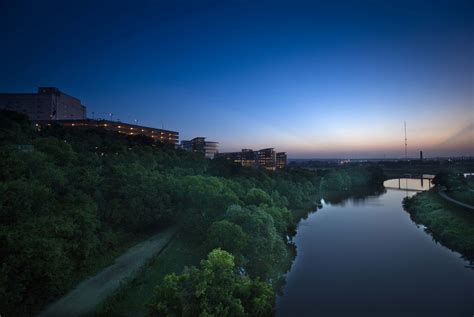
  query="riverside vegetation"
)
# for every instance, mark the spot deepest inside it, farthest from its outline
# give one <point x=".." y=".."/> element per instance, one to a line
<point x="450" y="224"/>
<point x="72" y="199"/>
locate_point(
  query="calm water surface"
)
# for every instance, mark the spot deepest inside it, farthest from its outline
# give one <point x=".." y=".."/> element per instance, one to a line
<point x="365" y="257"/>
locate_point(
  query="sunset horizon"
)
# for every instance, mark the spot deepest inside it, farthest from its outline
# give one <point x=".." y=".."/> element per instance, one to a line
<point x="313" y="79"/>
<point x="237" y="158"/>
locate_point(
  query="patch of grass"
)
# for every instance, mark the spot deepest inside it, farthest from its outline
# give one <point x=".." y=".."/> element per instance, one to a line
<point x="453" y="226"/>
<point x="465" y="196"/>
<point x="464" y="193"/>
<point x="131" y="298"/>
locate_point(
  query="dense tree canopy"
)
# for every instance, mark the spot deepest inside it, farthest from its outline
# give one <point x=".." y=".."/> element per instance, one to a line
<point x="71" y="195"/>
<point x="215" y="289"/>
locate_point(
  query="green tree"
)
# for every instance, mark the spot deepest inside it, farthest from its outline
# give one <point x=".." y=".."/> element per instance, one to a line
<point x="256" y="196"/>
<point x="265" y="249"/>
<point x="215" y="289"/>
<point x="14" y="128"/>
<point x="227" y="236"/>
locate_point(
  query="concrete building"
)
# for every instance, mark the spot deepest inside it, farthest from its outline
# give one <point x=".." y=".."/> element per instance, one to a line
<point x="200" y="145"/>
<point x="159" y="135"/>
<point x="248" y="158"/>
<point x="266" y="158"/>
<point x="49" y="103"/>
<point x="281" y="160"/>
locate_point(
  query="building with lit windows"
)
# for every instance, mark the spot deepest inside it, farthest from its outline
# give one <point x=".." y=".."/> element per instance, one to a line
<point x="281" y="159"/>
<point x="159" y="135"/>
<point x="200" y="145"/>
<point x="49" y="103"/>
<point x="248" y="158"/>
<point x="266" y="158"/>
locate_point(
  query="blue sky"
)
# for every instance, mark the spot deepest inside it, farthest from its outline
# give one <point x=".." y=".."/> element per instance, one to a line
<point x="315" y="79"/>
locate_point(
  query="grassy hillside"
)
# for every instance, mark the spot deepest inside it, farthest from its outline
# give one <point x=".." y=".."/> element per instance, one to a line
<point x="451" y="225"/>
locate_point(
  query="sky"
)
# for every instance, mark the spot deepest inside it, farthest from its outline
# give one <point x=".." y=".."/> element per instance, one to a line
<point x="317" y="79"/>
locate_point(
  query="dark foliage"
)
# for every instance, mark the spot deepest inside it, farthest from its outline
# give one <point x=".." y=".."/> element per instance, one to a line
<point x="71" y="195"/>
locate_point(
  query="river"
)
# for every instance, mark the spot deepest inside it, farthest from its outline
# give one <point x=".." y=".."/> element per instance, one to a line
<point x="365" y="257"/>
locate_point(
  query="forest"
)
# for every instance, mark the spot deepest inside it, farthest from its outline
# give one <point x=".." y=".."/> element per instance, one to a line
<point x="72" y="199"/>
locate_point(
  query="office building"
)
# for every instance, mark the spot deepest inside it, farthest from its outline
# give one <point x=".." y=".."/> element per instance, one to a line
<point x="200" y="145"/>
<point x="266" y="158"/>
<point x="248" y="158"/>
<point x="49" y="103"/>
<point x="281" y="159"/>
<point x="159" y="135"/>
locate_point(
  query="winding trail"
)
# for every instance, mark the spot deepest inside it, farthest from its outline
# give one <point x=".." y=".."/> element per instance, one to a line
<point x="88" y="294"/>
<point x="457" y="202"/>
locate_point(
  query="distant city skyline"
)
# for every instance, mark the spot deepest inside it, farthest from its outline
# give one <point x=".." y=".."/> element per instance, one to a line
<point x="313" y="79"/>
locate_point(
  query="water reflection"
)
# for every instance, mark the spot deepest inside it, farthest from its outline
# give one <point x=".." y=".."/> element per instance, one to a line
<point x="361" y="255"/>
<point x="357" y="196"/>
<point x="410" y="184"/>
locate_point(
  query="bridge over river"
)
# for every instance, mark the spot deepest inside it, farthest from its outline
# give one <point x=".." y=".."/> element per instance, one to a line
<point x="410" y="182"/>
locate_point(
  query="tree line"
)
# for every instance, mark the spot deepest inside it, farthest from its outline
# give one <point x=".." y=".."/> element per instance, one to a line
<point x="70" y="195"/>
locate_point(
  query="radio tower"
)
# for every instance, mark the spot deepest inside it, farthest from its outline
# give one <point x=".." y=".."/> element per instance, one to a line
<point x="406" y="152"/>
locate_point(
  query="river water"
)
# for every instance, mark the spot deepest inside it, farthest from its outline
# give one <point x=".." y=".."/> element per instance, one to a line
<point x="366" y="257"/>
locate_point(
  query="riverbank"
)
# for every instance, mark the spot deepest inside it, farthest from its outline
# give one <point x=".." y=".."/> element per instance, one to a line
<point x="449" y="224"/>
<point x="368" y="249"/>
<point x="132" y="297"/>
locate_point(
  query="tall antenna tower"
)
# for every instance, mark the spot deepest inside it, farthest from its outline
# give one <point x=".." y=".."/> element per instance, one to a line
<point x="406" y="146"/>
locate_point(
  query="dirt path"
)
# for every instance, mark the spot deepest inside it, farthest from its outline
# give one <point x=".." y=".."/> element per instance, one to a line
<point x="88" y="294"/>
<point x="457" y="202"/>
